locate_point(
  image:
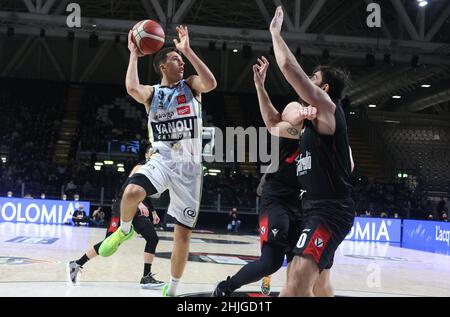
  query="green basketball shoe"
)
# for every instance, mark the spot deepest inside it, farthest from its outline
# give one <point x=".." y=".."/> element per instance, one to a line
<point x="112" y="243"/>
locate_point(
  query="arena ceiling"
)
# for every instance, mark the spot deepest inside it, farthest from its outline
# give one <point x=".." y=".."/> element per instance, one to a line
<point x="311" y="27"/>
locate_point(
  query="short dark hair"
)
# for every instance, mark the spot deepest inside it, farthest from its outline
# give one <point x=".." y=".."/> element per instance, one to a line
<point x="161" y="58"/>
<point x="336" y="78"/>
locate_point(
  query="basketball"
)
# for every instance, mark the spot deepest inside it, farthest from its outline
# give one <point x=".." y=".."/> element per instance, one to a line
<point x="148" y="36"/>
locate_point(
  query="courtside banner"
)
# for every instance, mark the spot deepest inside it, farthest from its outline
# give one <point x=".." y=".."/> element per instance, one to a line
<point x="426" y="235"/>
<point x="376" y="229"/>
<point x="39" y="210"/>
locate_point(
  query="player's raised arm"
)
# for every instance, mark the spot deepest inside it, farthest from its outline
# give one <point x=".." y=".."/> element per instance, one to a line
<point x="314" y="95"/>
<point x="140" y="93"/>
<point x="271" y="116"/>
<point x="204" y="81"/>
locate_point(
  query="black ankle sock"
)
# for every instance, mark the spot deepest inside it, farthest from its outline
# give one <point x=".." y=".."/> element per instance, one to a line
<point x="147" y="268"/>
<point x="82" y="260"/>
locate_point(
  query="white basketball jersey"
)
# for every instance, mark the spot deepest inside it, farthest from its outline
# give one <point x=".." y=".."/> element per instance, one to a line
<point x="175" y="123"/>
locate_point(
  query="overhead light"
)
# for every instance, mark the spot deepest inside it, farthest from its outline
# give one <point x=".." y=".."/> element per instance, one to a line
<point x="423" y="3"/>
<point x="94" y="25"/>
<point x="372" y="106"/>
<point x="235" y="50"/>
<point x="109" y="162"/>
<point x="425" y="86"/>
<point x="392" y="121"/>
<point x="121" y="169"/>
<point x="396" y="97"/>
<point x="352" y="113"/>
<point x="213" y="174"/>
<point x="120" y="165"/>
<point x="405" y="175"/>
<point x="400" y="175"/>
<point x="97" y="168"/>
<point x="98" y="164"/>
<point x="215" y="171"/>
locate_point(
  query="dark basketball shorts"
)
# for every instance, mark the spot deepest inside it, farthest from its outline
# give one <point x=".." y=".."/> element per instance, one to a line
<point x="280" y="224"/>
<point x="326" y="224"/>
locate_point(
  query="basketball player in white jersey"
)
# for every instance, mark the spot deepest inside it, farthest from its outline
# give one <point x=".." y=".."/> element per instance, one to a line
<point x="175" y="125"/>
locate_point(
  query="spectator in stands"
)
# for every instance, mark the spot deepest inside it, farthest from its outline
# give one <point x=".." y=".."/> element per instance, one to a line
<point x="430" y="216"/>
<point x="444" y="217"/>
<point x="70" y="188"/>
<point x="98" y="217"/>
<point x="79" y="216"/>
<point x="233" y="221"/>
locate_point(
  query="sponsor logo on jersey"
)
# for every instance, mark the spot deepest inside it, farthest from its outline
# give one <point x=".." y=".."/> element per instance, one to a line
<point x="275" y="232"/>
<point x="181" y="99"/>
<point x="185" y="110"/>
<point x="164" y="115"/>
<point x="304" y="164"/>
<point x="174" y="130"/>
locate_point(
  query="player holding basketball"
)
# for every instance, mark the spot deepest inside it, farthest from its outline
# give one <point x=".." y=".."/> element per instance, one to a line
<point x="175" y="126"/>
<point x="323" y="170"/>
<point x="143" y="226"/>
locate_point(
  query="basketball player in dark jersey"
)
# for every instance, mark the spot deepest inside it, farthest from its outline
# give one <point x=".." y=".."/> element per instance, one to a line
<point x="324" y="167"/>
<point x="280" y="222"/>
<point x="143" y="226"/>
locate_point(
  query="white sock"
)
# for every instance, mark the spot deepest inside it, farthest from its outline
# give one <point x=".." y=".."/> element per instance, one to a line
<point x="173" y="284"/>
<point x="125" y="226"/>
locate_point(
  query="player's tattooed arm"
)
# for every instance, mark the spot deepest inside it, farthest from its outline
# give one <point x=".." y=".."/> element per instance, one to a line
<point x="271" y="117"/>
<point x="293" y="131"/>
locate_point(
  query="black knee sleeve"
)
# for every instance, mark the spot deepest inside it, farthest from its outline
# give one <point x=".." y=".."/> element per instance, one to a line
<point x="142" y="181"/>
<point x="271" y="259"/>
<point x="151" y="238"/>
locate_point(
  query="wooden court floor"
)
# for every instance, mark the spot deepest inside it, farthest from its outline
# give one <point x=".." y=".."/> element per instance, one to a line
<point x="33" y="262"/>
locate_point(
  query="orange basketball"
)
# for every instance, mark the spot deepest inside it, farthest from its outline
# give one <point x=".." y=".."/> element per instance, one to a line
<point x="148" y="36"/>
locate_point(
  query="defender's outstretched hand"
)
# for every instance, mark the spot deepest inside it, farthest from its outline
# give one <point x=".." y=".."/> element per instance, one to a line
<point x="260" y="71"/>
<point x="277" y="21"/>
